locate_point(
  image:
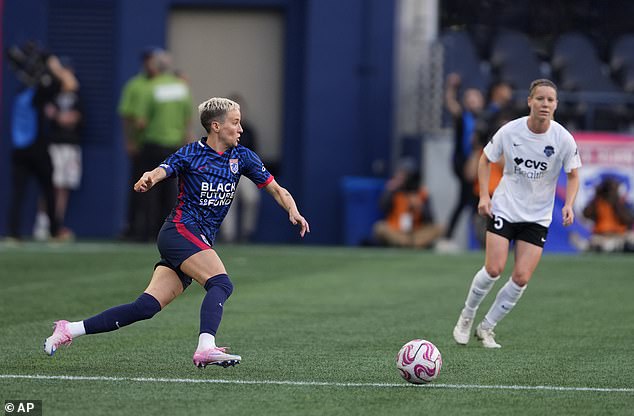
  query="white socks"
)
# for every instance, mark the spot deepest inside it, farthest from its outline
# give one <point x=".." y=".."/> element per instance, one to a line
<point x="206" y="341"/>
<point x="505" y="300"/>
<point x="480" y="287"/>
<point x="76" y="329"/>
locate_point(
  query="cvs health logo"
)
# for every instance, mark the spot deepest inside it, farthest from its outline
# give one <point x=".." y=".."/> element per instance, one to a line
<point x="531" y="164"/>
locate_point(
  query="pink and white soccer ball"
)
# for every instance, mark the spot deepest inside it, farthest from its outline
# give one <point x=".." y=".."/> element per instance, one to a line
<point x="419" y="361"/>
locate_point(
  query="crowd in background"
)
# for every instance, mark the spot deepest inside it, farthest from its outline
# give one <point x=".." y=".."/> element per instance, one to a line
<point x="155" y="108"/>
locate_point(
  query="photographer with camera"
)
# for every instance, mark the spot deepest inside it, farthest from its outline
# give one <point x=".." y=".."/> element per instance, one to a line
<point x="65" y="116"/>
<point x="408" y="220"/>
<point x="612" y="218"/>
<point x="42" y="77"/>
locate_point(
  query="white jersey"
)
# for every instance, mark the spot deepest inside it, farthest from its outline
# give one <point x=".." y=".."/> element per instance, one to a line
<point x="532" y="164"/>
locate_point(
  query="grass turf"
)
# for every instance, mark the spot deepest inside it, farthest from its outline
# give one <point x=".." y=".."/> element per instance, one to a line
<point x="317" y="314"/>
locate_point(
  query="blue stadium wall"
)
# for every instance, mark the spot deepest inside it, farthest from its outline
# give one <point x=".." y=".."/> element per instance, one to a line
<point x="337" y="95"/>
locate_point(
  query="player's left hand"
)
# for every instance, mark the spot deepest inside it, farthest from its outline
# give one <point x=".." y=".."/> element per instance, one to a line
<point x="296" y="219"/>
<point x="568" y="215"/>
<point x="485" y="208"/>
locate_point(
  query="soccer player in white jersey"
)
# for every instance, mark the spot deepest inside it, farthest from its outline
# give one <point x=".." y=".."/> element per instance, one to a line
<point x="534" y="148"/>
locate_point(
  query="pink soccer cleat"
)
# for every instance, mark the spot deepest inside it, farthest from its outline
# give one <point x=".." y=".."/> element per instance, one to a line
<point x="61" y="336"/>
<point x="215" y="356"/>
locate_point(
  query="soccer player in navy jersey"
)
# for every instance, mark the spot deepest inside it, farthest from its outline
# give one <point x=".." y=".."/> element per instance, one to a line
<point x="208" y="172"/>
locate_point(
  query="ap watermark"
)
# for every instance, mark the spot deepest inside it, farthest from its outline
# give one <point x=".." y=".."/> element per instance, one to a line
<point x="23" y="407"/>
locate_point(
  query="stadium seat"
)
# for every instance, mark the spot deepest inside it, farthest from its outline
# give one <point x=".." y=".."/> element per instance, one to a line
<point x="622" y="61"/>
<point x="514" y="60"/>
<point x="595" y="100"/>
<point x="460" y="56"/>
<point x="576" y="61"/>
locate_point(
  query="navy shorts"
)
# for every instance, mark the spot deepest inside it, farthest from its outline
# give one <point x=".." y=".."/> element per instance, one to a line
<point x="525" y="231"/>
<point x="176" y="243"/>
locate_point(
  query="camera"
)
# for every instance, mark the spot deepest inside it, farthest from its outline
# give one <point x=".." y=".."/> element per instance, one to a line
<point x="29" y="61"/>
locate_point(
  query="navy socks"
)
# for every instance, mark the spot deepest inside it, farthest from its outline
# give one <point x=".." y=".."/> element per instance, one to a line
<point x="219" y="288"/>
<point x="145" y="307"/>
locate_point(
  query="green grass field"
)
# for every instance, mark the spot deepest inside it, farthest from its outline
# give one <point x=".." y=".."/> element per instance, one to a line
<point x="318" y="329"/>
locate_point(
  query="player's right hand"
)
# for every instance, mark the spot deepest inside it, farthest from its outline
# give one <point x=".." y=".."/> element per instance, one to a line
<point x="145" y="183"/>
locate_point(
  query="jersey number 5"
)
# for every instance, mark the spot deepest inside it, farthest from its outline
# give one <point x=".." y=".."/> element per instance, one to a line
<point x="498" y="223"/>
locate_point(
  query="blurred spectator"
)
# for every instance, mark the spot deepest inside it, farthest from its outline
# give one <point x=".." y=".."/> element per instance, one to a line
<point x="164" y="113"/>
<point x="128" y="109"/>
<point x="497" y="113"/>
<point x="65" y="115"/>
<point x="612" y="218"/>
<point x="465" y="117"/>
<point x="408" y="217"/>
<point x="43" y="77"/>
<point x="497" y="170"/>
<point x="241" y="220"/>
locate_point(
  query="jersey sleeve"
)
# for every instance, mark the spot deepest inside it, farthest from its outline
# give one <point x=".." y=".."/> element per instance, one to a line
<point x="571" y="159"/>
<point x="254" y="169"/>
<point x="125" y="107"/>
<point x="177" y="162"/>
<point x="129" y="101"/>
<point x="143" y="101"/>
<point x="493" y="150"/>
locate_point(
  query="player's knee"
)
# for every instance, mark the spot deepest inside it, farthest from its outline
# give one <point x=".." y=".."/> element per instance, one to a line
<point x="494" y="270"/>
<point x="221" y="281"/>
<point x="521" y="279"/>
<point x="147" y="306"/>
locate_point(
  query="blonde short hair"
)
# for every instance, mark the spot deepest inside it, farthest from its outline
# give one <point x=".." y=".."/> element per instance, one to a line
<point x="215" y="109"/>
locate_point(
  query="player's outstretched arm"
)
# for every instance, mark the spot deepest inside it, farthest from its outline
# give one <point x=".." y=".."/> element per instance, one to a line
<point x="149" y="179"/>
<point x="286" y="201"/>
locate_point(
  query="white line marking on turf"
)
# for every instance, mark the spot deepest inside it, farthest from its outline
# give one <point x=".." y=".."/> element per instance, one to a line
<point x="314" y="383"/>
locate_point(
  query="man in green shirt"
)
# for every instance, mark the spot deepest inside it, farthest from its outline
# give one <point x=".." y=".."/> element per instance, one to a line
<point x="129" y="111"/>
<point x="164" y="112"/>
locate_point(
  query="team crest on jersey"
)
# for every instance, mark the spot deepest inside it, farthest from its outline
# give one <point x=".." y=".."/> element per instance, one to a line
<point x="549" y="151"/>
<point x="233" y="165"/>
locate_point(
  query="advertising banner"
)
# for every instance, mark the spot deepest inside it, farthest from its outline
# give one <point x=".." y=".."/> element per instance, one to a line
<point x="602" y="155"/>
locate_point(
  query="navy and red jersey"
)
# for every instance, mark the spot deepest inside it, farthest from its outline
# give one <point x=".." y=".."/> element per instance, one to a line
<point x="207" y="182"/>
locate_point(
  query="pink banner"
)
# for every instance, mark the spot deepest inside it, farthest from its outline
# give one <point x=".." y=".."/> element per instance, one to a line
<point x="602" y="155"/>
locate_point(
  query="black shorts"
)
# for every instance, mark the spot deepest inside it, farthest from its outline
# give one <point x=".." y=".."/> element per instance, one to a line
<point x="525" y="231"/>
<point x="178" y="242"/>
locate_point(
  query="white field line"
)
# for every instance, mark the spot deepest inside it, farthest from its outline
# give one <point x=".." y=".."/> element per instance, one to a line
<point x="316" y="383"/>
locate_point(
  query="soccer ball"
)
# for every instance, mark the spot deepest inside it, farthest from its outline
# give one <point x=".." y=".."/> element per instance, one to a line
<point x="419" y="361"/>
